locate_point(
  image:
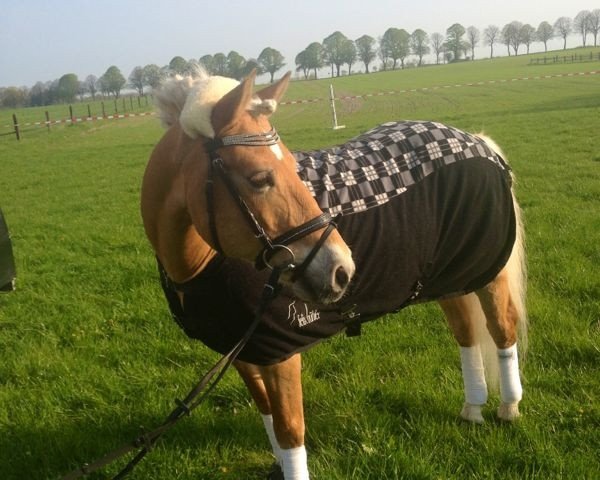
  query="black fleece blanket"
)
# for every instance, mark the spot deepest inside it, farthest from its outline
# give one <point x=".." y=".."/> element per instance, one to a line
<point x="427" y="211"/>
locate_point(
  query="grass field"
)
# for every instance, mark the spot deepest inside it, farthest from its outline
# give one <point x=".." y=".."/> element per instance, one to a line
<point x="89" y="352"/>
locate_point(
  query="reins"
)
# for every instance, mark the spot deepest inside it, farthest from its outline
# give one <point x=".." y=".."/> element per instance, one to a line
<point x="145" y="442"/>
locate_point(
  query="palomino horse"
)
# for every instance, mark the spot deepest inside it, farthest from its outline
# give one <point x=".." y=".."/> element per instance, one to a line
<point x="427" y="209"/>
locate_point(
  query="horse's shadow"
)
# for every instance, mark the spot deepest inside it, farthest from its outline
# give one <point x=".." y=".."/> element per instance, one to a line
<point x="43" y="453"/>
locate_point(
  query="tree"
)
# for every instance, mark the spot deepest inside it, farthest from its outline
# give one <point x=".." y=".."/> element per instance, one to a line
<point x="544" y="33"/>
<point x="153" y="75"/>
<point x="235" y="65"/>
<point x="315" y="57"/>
<point x="396" y="42"/>
<point x="13" y="97"/>
<point x="91" y="85"/>
<point x="563" y="27"/>
<point x="220" y="64"/>
<point x="419" y="44"/>
<point x="511" y="36"/>
<point x="207" y="62"/>
<point x="490" y="36"/>
<point x="349" y="54"/>
<point x="334" y="50"/>
<point x="136" y="79"/>
<point x="454" y="40"/>
<point x="581" y="24"/>
<point x="270" y="61"/>
<point x="112" y="81"/>
<point x="302" y="64"/>
<point x="594" y="24"/>
<point x="178" y="65"/>
<point x="437" y="44"/>
<point x="472" y="39"/>
<point x="68" y="86"/>
<point x="365" y="49"/>
<point x="527" y="35"/>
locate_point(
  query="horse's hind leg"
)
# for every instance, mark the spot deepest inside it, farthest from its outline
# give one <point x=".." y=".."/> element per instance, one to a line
<point x="502" y="313"/>
<point x="277" y="391"/>
<point x="465" y="317"/>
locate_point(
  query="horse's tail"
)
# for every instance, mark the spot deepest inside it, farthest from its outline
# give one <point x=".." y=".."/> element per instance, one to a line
<point x="517" y="281"/>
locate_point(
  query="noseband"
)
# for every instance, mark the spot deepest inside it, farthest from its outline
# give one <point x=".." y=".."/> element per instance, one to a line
<point x="270" y="246"/>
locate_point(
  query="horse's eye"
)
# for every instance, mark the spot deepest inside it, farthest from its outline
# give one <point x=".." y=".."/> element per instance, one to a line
<point x="262" y="180"/>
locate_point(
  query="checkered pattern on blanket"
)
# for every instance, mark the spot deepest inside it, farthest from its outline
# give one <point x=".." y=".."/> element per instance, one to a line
<point x="384" y="162"/>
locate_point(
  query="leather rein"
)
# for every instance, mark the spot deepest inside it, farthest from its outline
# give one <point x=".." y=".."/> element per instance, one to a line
<point x="145" y="442"/>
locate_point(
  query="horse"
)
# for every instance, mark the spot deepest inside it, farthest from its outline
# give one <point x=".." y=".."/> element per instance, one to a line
<point x="406" y="213"/>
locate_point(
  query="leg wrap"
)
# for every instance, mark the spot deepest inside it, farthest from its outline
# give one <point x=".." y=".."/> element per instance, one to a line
<point x="294" y="464"/>
<point x="473" y="375"/>
<point x="268" y="422"/>
<point x="511" y="390"/>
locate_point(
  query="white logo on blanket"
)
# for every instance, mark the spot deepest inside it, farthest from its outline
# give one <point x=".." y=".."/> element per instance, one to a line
<point x="302" y="318"/>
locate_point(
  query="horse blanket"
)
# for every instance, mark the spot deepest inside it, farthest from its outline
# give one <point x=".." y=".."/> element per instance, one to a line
<point x="427" y="212"/>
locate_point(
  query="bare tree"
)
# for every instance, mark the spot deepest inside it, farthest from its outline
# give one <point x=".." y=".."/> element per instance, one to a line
<point x="544" y="33"/>
<point x="594" y="24"/>
<point x="472" y="39"/>
<point x="581" y="24"/>
<point x="91" y="85"/>
<point x="490" y="36"/>
<point x="563" y="27"/>
<point x="136" y="80"/>
<point x="437" y="44"/>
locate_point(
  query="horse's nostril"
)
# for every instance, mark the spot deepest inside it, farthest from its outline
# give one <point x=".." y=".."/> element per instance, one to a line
<point x="341" y="277"/>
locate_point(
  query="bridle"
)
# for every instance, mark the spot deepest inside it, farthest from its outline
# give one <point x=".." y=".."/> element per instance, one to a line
<point x="270" y="245"/>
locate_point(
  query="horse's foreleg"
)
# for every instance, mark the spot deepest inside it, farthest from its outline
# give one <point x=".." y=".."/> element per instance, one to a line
<point x="461" y="313"/>
<point x="283" y="386"/>
<point x="502" y="317"/>
<point x="253" y="379"/>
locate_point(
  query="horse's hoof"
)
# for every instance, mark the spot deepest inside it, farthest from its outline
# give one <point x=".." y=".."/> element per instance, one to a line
<point x="276" y="473"/>
<point x="472" y="413"/>
<point x="508" y="411"/>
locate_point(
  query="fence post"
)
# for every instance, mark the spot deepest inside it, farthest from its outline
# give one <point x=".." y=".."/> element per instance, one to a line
<point x="139" y="102"/>
<point x="332" y="98"/>
<point x="47" y="120"/>
<point x="71" y="114"/>
<point x="89" y="111"/>
<point x="16" y="124"/>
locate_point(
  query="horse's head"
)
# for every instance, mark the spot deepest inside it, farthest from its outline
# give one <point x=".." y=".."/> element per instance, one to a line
<point x="244" y="196"/>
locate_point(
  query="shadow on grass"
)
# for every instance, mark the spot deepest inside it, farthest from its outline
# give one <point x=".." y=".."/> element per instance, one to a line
<point x="203" y="447"/>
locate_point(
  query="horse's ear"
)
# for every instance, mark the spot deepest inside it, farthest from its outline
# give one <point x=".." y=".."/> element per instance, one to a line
<point x="276" y="90"/>
<point x="233" y="103"/>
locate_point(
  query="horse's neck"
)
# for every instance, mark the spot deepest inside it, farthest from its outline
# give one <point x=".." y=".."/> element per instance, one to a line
<point x="180" y="249"/>
<point x="182" y="252"/>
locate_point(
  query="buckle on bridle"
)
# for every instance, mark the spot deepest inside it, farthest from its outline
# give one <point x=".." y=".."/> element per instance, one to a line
<point x="268" y="253"/>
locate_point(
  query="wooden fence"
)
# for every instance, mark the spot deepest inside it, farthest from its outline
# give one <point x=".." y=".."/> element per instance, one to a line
<point x="123" y="108"/>
<point x="557" y="59"/>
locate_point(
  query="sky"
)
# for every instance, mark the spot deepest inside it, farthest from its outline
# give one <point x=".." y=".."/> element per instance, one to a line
<point x="41" y="40"/>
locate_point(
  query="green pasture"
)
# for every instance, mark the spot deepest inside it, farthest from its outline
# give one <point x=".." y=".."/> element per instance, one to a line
<point x="89" y="353"/>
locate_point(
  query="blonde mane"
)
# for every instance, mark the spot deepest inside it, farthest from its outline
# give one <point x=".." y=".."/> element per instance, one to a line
<point x="189" y="101"/>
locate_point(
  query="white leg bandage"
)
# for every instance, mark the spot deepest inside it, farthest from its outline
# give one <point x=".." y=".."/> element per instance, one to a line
<point x="268" y="422"/>
<point x="473" y="375"/>
<point x="294" y="464"/>
<point x="511" y="390"/>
